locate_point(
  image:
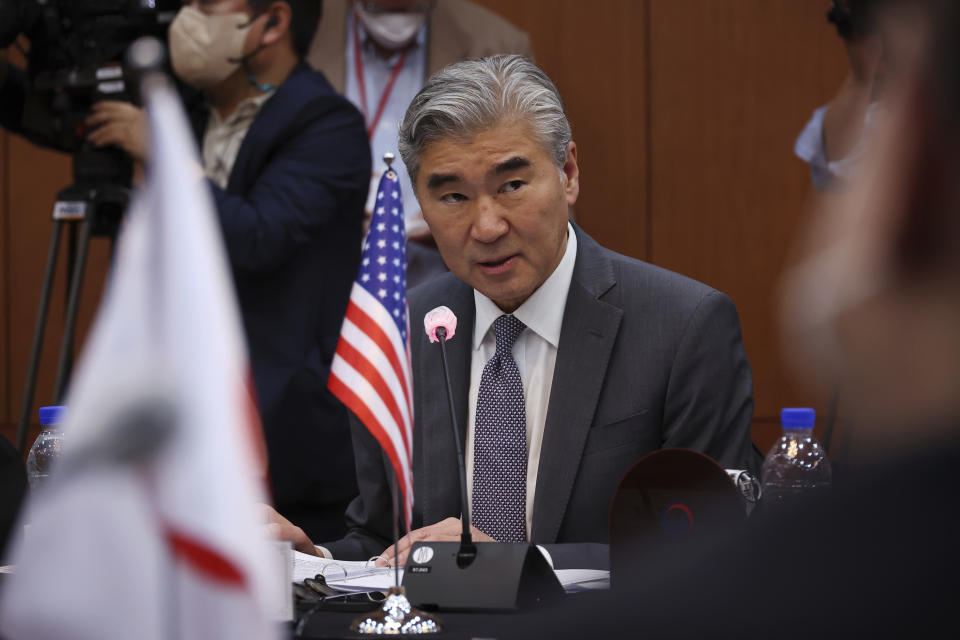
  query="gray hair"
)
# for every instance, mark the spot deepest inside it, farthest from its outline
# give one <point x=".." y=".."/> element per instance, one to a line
<point x="469" y="97"/>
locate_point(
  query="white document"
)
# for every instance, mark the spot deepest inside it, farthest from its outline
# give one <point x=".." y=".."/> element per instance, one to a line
<point x="333" y="571"/>
<point x="574" y="580"/>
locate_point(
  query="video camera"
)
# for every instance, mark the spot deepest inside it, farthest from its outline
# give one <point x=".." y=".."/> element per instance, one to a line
<point x="75" y="58"/>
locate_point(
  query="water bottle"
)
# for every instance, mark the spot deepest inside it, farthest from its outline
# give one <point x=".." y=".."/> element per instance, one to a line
<point x="46" y="448"/>
<point x="797" y="464"/>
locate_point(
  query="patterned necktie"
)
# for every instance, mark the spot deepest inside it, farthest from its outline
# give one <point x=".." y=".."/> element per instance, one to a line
<point x="500" y="442"/>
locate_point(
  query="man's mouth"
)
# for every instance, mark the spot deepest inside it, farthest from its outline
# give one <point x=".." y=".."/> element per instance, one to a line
<point x="499" y="265"/>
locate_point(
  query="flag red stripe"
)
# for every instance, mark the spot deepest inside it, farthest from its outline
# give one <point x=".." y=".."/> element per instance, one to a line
<point x="375" y="332"/>
<point x="362" y="411"/>
<point x="365" y="368"/>
<point x="206" y="561"/>
<point x="254" y="425"/>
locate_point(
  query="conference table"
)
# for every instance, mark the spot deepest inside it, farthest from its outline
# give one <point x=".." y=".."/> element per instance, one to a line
<point x="335" y="625"/>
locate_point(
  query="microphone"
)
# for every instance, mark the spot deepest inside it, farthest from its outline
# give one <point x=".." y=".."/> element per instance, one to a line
<point x="467" y="576"/>
<point x="441" y="325"/>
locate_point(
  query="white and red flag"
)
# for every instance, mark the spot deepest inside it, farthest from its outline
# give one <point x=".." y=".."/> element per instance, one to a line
<point x="370" y="373"/>
<point x="148" y="528"/>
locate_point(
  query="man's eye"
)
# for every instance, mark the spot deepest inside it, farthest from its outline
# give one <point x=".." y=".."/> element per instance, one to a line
<point x="513" y="185"/>
<point x="453" y="198"/>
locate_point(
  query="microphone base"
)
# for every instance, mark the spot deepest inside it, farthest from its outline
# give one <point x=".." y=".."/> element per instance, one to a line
<point x="502" y="577"/>
<point x="396" y="617"/>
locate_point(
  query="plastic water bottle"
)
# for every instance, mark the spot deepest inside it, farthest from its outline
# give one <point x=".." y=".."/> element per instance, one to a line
<point x="797" y="464"/>
<point x="46" y="448"/>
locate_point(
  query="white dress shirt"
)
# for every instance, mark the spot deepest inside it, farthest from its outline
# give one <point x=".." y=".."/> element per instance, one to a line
<point x="535" y="353"/>
<point x="223" y="137"/>
<point x="376" y="75"/>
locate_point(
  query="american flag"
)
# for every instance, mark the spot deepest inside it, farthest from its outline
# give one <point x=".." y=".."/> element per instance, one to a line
<point x="371" y="368"/>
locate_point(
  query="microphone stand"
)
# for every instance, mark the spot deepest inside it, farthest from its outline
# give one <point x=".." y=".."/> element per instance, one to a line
<point x="465" y="576"/>
<point x="396" y="616"/>
<point x="468" y="550"/>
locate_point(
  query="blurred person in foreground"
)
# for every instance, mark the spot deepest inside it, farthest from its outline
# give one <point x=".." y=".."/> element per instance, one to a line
<point x="875" y="303"/>
<point x="378" y="53"/>
<point x="288" y="164"/>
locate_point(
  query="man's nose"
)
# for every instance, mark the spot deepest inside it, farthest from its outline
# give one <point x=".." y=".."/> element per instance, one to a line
<point x="489" y="223"/>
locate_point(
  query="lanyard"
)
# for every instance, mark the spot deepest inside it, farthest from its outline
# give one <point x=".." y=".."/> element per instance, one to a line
<point x="362" y="86"/>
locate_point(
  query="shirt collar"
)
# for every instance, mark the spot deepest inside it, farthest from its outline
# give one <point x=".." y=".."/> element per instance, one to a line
<point x="542" y="312"/>
<point x="246" y="110"/>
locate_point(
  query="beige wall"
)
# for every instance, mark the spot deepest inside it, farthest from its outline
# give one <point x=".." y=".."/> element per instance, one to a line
<point x="684" y="112"/>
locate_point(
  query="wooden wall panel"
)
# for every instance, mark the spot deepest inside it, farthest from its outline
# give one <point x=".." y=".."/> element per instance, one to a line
<point x="4" y="284"/>
<point x="732" y="83"/>
<point x="597" y="59"/>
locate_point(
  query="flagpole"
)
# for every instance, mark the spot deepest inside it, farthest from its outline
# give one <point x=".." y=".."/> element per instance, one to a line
<point x="396" y="615"/>
<point x="396" y="529"/>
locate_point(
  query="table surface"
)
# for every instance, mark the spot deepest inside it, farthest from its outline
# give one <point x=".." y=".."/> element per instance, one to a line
<point x="335" y="625"/>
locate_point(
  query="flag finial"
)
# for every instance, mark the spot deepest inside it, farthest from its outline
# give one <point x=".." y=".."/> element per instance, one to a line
<point x="388" y="158"/>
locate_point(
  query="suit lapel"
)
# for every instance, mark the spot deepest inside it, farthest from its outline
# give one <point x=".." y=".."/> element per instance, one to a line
<point x="589" y="332"/>
<point x="275" y="114"/>
<point x="440" y="496"/>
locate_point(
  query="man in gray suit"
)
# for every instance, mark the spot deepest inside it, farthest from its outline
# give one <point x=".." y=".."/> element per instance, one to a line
<point x="608" y="358"/>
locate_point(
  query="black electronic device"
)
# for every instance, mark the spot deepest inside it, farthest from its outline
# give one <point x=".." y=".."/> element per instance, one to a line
<point x="76" y="58"/>
<point x="504" y="576"/>
<point x="469" y="576"/>
<point x="670" y="500"/>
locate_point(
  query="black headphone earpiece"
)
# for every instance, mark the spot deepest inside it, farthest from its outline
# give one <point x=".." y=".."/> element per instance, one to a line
<point x="272" y="22"/>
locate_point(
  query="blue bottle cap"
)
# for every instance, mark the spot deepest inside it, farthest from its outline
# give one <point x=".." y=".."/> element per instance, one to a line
<point x="799" y="418"/>
<point x="52" y="415"/>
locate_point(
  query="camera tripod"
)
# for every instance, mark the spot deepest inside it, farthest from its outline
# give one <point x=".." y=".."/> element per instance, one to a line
<point x="91" y="207"/>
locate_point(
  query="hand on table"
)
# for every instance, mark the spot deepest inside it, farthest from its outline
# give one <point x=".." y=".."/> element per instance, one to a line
<point x="448" y="530"/>
<point x="279" y="528"/>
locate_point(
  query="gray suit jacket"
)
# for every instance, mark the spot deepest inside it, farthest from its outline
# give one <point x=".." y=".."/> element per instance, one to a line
<point x="647" y="359"/>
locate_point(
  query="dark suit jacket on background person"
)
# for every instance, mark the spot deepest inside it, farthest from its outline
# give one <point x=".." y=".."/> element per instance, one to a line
<point x="647" y="359"/>
<point x="457" y="30"/>
<point x="291" y="217"/>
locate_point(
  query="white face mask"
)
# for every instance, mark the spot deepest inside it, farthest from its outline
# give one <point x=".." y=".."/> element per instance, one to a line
<point x="392" y="30"/>
<point x="204" y="49"/>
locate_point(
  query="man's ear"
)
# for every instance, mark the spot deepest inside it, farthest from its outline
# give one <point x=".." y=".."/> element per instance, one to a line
<point x="571" y="174"/>
<point x="277" y="24"/>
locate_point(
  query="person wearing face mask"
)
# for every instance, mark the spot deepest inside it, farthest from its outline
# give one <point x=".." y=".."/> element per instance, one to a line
<point x="288" y="164"/>
<point x="379" y="54"/>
